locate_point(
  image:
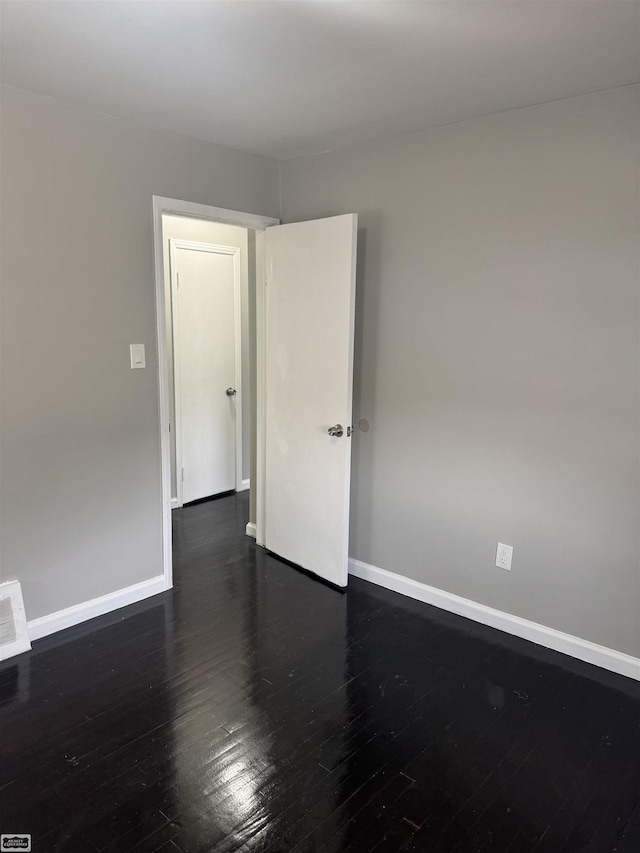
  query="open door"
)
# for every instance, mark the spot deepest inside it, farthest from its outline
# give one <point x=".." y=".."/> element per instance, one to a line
<point x="310" y="301"/>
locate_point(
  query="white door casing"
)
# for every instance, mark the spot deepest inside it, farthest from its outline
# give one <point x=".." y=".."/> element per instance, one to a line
<point x="205" y="286"/>
<point x="309" y="321"/>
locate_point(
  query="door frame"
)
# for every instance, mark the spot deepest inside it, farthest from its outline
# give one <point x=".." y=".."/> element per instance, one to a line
<point x="234" y="252"/>
<point x="177" y="207"/>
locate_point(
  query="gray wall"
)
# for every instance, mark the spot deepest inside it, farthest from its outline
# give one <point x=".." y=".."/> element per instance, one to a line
<point x="81" y="504"/>
<point x="496" y="352"/>
<point x="497" y="357"/>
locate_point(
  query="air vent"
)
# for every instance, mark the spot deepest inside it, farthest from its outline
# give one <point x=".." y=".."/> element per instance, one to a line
<point x="8" y="630"/>
<point x="14" y="634"/>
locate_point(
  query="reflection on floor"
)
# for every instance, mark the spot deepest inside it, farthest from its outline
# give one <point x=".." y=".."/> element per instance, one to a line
<point x="254" y="709"/>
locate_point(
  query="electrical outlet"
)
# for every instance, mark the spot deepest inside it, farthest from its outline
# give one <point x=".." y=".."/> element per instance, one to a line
<point x="503" y="556"/>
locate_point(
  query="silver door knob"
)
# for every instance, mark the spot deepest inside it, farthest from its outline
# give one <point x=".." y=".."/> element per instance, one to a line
<point x="231" y="392"/>
<point x="336" y="431"/>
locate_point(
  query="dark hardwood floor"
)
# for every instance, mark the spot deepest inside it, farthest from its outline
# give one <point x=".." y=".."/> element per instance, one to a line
<point x="254" y="709"/>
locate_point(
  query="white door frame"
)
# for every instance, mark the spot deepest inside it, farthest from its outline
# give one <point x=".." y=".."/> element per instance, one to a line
<point x="177" y="207"/>
<point x="234" y="251"/>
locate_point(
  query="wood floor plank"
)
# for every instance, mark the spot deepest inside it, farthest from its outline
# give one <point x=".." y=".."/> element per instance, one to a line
<point x="253" y="710"/>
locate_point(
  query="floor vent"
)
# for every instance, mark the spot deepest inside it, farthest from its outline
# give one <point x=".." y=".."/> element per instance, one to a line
<point x="14" y="634"/>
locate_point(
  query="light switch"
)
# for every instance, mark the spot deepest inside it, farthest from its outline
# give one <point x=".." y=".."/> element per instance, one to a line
<point x="137" y="356"/>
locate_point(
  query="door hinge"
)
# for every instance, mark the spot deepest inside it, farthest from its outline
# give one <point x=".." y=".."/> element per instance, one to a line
<point x="177" y="279"/>
<point x="183" y="475"/>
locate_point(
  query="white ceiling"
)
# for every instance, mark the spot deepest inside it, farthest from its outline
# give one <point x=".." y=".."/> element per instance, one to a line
<point x="285" y="79"/>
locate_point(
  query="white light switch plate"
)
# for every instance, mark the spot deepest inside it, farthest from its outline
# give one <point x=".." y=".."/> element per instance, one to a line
<point x="137" y="356"/>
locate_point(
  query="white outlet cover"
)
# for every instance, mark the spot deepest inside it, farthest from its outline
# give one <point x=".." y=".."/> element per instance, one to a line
<point x="504" y="555"/>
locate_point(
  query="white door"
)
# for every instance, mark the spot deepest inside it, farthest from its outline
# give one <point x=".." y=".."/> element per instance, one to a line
<point x="205" y="298"/>
<point x="310" y="299"/>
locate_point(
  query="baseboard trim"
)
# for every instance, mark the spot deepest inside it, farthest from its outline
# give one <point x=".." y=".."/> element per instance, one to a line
<point x="70" y="616"/>
<point x="244" y="485"/>
<point x="576" y="647"/>
<point x="251" y="530"/>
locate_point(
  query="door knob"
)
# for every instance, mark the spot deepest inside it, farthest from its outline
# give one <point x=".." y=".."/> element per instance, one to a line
<point x="231" y="392"/>
<point x="336" y="431"/>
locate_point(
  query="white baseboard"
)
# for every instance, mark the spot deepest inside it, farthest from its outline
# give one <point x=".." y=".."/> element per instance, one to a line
<point x="174" y="503"/>
<point x="53" y="622"/>
<point x="244" y="485"/>
<point x="251" y="529"/>
<point x="542" y="635"/>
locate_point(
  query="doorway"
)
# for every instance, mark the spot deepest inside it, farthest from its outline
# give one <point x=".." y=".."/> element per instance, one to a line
<point x="198" y="216"/>
<point x="304" y="291"/>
